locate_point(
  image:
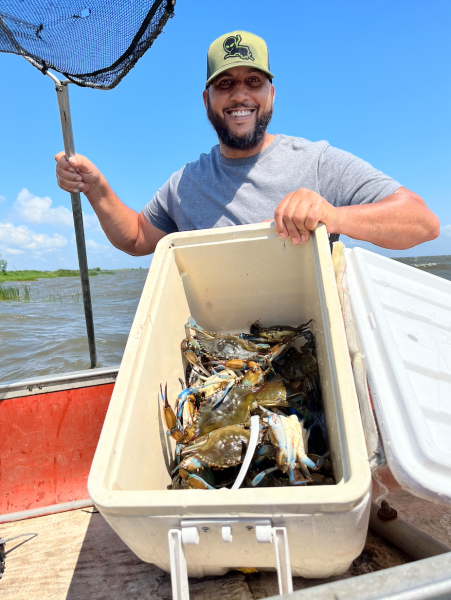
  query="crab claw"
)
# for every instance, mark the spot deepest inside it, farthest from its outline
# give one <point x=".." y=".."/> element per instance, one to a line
<point x="192" y="323"/>
<point x="169" y="416"/>
<point x="194" y="360"/>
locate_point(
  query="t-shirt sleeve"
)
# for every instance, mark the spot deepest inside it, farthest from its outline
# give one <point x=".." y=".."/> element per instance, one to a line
<point x="157" y="210"/>
<point x="345" y="179"/>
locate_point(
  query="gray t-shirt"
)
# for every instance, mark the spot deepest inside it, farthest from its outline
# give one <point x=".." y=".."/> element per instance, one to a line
<point x="215" y="191"/>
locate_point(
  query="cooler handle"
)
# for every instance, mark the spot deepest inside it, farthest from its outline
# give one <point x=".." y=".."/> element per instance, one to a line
<point x="178" y="538"/>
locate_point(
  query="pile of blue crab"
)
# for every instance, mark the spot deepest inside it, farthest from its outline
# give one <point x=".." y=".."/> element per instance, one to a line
<point x="233" y="377"/>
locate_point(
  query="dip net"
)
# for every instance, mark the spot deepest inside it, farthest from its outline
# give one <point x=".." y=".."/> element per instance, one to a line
<point x="93" y="43"/>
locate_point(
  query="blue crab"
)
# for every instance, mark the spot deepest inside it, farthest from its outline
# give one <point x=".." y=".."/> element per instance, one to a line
<point x="181" y="421"/>
<point x="290" y="439"/>
<point x="277" y="333"/>
<point x="235" y="407"/>
<point x="190" y="348"/>
<point x="232" y="409"/>
<point x="223" y="448"/>
<point x="225" y="347"/>
<point x="233" y="351"/>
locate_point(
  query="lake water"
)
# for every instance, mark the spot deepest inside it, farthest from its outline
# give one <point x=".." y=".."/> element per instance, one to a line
<point x="436" y="265"/>
<point x="47" y="336"/>
<point x="43" y="336"/>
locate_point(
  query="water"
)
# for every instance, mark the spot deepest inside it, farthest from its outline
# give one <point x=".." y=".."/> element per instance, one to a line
<point x="43" y="337"/>
<point x="436" y="265"/>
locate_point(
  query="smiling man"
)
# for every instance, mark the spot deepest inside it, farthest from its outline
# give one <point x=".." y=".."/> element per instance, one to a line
<point x="253" y="176"/>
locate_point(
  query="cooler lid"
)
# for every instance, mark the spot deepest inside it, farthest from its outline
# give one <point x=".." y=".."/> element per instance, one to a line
<point x="403" y="316"/>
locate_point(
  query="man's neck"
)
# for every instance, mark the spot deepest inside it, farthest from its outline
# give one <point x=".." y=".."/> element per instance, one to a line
<point x="232" y="153"/>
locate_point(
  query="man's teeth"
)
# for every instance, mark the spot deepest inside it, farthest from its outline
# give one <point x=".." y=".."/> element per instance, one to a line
<point x="240" y="113"/>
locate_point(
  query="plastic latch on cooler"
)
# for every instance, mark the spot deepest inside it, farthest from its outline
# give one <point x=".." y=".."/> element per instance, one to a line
<point x="188" y="535"/>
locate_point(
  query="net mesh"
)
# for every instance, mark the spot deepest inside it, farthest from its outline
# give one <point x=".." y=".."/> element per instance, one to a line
<point x="93" y="43"/>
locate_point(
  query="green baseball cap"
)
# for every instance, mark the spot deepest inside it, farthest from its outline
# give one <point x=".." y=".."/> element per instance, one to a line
<point x="237" y="49"/>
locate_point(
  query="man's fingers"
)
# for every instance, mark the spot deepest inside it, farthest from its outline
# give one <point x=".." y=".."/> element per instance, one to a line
<point x="75" y="163"/>
<point x="313" y="216"/>
<point x="82" y="164"/>
<point x="294" y="221"/>
<point x="69" y="185"/>
<point x="294" y="216"/>
<point x="71" y="175"/>
<point x="282" y="231"/>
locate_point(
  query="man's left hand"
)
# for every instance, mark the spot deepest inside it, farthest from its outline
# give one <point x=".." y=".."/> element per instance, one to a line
<point x="300" y="212"/>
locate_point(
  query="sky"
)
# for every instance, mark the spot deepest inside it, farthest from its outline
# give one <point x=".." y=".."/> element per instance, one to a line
<point x="371" y="77"/>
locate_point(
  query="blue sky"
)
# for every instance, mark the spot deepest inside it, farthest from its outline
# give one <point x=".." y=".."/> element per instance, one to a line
<point x="371" y="77"/>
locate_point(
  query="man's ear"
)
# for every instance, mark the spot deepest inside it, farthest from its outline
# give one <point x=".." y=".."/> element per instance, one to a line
<point x="204" y="97"/>
<point x="273" y="92"/>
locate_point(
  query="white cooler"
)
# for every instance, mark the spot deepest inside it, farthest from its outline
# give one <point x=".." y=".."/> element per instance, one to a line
<point x="226" y="279"/>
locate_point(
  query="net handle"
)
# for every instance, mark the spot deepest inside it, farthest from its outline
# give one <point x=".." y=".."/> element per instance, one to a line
<point x="62" y="93"/>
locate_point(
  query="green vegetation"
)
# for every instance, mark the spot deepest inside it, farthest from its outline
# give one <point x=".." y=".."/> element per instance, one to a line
<point x="11" y="292"/>
<point x="15" y="293"/>
<point x="6" y="276"/>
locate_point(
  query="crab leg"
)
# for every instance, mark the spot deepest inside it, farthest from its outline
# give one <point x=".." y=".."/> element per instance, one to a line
<point x="295" y="477"/>
<point x="263" y="474"/>
<point x="221" y="399"/>
<point x="277" y="433"/>
<point x="196" y="482"/>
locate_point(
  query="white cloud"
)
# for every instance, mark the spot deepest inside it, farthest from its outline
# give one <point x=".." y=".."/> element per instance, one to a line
<point x="446" y="230"/>
<point x="2" y="198"/>
<point x="24" y="238"/>
<point x="33" y="209"/>
<point x="96" y="247"/>
<point x="14" y="251"/>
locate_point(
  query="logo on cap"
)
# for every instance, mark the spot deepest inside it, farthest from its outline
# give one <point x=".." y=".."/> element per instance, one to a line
<point x="233" y="48"/>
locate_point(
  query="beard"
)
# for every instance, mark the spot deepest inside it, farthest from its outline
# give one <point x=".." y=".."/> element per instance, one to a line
<point x="246" y="141"/>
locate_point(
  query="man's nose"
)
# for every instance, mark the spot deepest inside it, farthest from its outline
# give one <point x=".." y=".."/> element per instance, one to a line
<point x="240" y="92"/>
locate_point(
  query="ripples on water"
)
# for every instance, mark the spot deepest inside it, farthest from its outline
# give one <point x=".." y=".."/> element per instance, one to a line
<point x="436" y="265"/>
<point x="40" y="338"/>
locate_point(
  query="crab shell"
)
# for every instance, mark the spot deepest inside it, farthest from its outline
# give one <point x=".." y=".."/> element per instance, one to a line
<point x="232" y="410"/>
<point x="223" y="448"/>
<point x="227" y="347"/>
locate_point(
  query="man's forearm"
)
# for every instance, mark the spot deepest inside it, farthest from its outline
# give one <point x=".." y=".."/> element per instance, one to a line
<point x="398" y="222"/>
<point x="118" y="221"/>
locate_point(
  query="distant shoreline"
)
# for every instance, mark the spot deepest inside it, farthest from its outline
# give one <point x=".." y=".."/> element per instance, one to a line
<point x="32" y="275"/>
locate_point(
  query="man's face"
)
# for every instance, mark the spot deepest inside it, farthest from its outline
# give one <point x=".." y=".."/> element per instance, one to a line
<point x="239" y="106"/>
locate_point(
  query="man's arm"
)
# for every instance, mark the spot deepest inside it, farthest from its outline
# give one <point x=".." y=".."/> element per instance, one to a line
<point x="125" y="228"/>
<point x="399" y="221"/>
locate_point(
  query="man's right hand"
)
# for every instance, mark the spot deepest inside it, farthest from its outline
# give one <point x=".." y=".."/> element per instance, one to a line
<point x="78" y="174"/>
<point x="125" y="229"/>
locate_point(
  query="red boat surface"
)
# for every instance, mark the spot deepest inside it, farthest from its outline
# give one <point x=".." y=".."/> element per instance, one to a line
<point x="49" y="430"/>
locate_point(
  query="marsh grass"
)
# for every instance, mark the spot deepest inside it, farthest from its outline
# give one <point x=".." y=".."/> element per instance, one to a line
<point x="14" y="293"/>
<point x="34" y="275"/>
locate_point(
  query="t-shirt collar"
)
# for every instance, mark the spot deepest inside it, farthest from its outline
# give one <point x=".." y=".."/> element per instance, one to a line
<point x="250" y="160"/>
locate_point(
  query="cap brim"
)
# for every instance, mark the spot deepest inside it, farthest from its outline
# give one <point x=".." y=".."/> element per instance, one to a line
<point x="237" y="63"/>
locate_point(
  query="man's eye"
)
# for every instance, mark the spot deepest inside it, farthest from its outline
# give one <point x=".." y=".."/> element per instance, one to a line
<point x="224" y="83"/>
<point x="254" y="81"/>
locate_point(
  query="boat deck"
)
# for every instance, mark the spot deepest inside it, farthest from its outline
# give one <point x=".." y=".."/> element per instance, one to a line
<point x="76" y="556"/>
